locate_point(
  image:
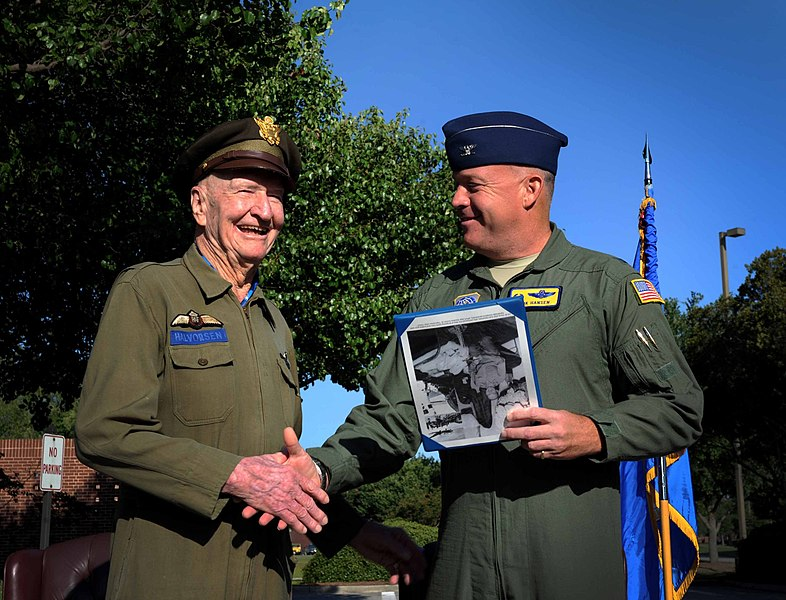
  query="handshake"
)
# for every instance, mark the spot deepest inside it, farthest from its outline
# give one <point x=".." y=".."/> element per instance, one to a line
<point x="287" y="486"/>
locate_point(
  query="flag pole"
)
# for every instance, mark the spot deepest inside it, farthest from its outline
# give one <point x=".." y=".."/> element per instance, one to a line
<point x="660" y="464"/>
<point x="665" y="529"/>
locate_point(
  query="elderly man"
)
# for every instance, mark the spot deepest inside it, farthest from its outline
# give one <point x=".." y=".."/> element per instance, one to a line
<point x="190" y="383"/>
<point x="538" y="514"/>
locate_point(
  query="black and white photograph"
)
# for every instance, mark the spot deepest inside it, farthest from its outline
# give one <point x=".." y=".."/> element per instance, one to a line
<point x="467" y="368"/>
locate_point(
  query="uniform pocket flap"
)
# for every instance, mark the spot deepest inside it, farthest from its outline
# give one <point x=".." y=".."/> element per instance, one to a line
<point x="286" y="371"/>
<point x="200" y="357"/>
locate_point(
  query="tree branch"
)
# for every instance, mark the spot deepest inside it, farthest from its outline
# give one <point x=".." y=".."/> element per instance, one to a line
<point x="35" y="67"/>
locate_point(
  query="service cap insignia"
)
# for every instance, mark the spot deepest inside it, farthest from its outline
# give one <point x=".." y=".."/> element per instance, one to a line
<point x="269" y="131"/>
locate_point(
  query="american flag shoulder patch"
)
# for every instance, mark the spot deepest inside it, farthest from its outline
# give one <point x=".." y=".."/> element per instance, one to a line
<point x="645" y="291"/>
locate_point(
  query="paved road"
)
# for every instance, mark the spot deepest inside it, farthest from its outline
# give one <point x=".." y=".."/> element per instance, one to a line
<point x="389" y="592"/>
<point x="716" y="592"/>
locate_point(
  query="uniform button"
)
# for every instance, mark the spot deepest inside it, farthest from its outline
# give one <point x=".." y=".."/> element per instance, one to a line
<point x="202" y="362"/>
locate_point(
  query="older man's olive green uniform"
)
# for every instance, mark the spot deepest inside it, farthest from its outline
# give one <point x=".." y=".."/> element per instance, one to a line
<point x="516" y="527"/>
<point x="182" y="382"/>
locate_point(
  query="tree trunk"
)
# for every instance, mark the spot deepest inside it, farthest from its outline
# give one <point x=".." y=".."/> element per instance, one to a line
<point x="713" y="526"/>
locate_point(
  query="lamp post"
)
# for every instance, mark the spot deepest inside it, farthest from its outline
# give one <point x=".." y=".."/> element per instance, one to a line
<point x="735" y="232"/>
<point x="743" y="529"/>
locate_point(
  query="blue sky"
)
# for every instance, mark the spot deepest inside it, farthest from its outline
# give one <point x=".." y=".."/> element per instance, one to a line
<point x="704" y="79"/>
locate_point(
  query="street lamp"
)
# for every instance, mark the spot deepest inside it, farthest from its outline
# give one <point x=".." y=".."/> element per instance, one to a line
<point x="734" y="232"/>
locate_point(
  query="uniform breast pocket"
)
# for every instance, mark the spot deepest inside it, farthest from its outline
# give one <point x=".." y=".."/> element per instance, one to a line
<point x="203" y="386"/>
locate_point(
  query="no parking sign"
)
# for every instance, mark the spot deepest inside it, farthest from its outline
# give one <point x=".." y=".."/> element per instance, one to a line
<point x="52" y="463"/>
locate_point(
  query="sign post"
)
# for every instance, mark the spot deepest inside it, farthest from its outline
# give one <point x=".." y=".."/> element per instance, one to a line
<point x="51" y="479"/>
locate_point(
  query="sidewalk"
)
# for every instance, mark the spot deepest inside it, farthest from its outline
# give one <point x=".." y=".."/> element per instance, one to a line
<point x="361" y="591"/>
<point x="723" y="574"/>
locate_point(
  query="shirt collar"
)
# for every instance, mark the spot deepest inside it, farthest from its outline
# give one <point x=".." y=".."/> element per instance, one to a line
<point x="209" y="281"/>
<point x="554" y="252"/>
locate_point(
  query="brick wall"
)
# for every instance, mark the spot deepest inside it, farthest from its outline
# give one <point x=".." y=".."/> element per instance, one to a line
<point x="85" y="505"/>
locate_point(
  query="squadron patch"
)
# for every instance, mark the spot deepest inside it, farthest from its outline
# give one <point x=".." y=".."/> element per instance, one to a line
<point x="645" y="291"/>
<point x="193" y="320"/>
<point x="539" y="298"/>
<point x="465" y="299"/>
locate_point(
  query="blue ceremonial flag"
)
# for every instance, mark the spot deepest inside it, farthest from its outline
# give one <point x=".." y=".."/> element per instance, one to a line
<point x="640" y="498"/>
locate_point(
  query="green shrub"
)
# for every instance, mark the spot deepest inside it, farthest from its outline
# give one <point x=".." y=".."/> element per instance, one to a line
<point x="348" y="566"/>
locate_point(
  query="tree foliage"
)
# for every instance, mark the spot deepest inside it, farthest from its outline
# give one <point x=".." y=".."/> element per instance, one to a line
<point x="32" y="415"/>
<point x="762" y="320"/>
<point x="412" y="493"/>
<point x="349" y="566"/>
<point x="99" y="98"/>
<point x="374" y="222"/>
<point x="735" y="348"/>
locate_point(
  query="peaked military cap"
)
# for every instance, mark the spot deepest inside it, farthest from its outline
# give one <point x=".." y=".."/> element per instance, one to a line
<point x="499" y="138"/>
<point x="250" y="143"/>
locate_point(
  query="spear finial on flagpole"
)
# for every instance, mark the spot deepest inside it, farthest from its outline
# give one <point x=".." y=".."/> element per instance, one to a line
<point x="647" y="162"/>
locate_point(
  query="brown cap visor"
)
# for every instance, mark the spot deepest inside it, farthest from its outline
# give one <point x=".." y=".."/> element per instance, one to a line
<point x="245" y="159"/>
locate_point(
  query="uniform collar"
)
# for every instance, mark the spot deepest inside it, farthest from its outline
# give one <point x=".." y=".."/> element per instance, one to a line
<point x="210" y="282"/>
<point x="554" y="252"/>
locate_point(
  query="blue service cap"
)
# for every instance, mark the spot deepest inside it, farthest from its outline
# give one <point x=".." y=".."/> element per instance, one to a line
<point x="502" y="138"/>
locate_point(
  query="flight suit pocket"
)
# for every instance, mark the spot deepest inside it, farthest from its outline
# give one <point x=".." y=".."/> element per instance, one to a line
<point x="648" y="364"/>
<point x="203" y="386"/>
<point x="543" y="325"/>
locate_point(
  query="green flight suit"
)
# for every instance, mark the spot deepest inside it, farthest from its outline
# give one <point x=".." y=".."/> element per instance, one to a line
<point x="170" y="404"/>
<point x="513" y="526"/>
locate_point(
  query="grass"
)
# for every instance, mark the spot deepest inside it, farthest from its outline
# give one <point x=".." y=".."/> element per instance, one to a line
<point x="723" y="551"/>
<point x="301" y="560"/>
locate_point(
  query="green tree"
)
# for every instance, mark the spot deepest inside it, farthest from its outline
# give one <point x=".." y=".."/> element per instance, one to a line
<point x="413" y="493"/>
<point x="735" y="347"/>
<point x="374" y="221"/>
<point x="712" y="457"/>
<point x="16" y="421"/>
<point x="761" y="406"/>
<point x="713" y="486"/>
<point x="17" y="417"/>
<point x="99" y="98"/>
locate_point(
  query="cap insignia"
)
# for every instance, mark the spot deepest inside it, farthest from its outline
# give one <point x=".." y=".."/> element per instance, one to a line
<point x="269" y="131"/>
<point x="467" y="150"/>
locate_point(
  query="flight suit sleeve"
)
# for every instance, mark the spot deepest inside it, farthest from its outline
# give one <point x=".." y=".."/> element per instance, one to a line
<point x="344" y="522"/>
<point x="379" y="435"/>
<point x="658" y="404"/>
<point x="117" y="429"/>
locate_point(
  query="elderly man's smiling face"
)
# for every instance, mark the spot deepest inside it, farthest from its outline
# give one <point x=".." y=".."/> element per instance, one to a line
<point x="240" y="214"/>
